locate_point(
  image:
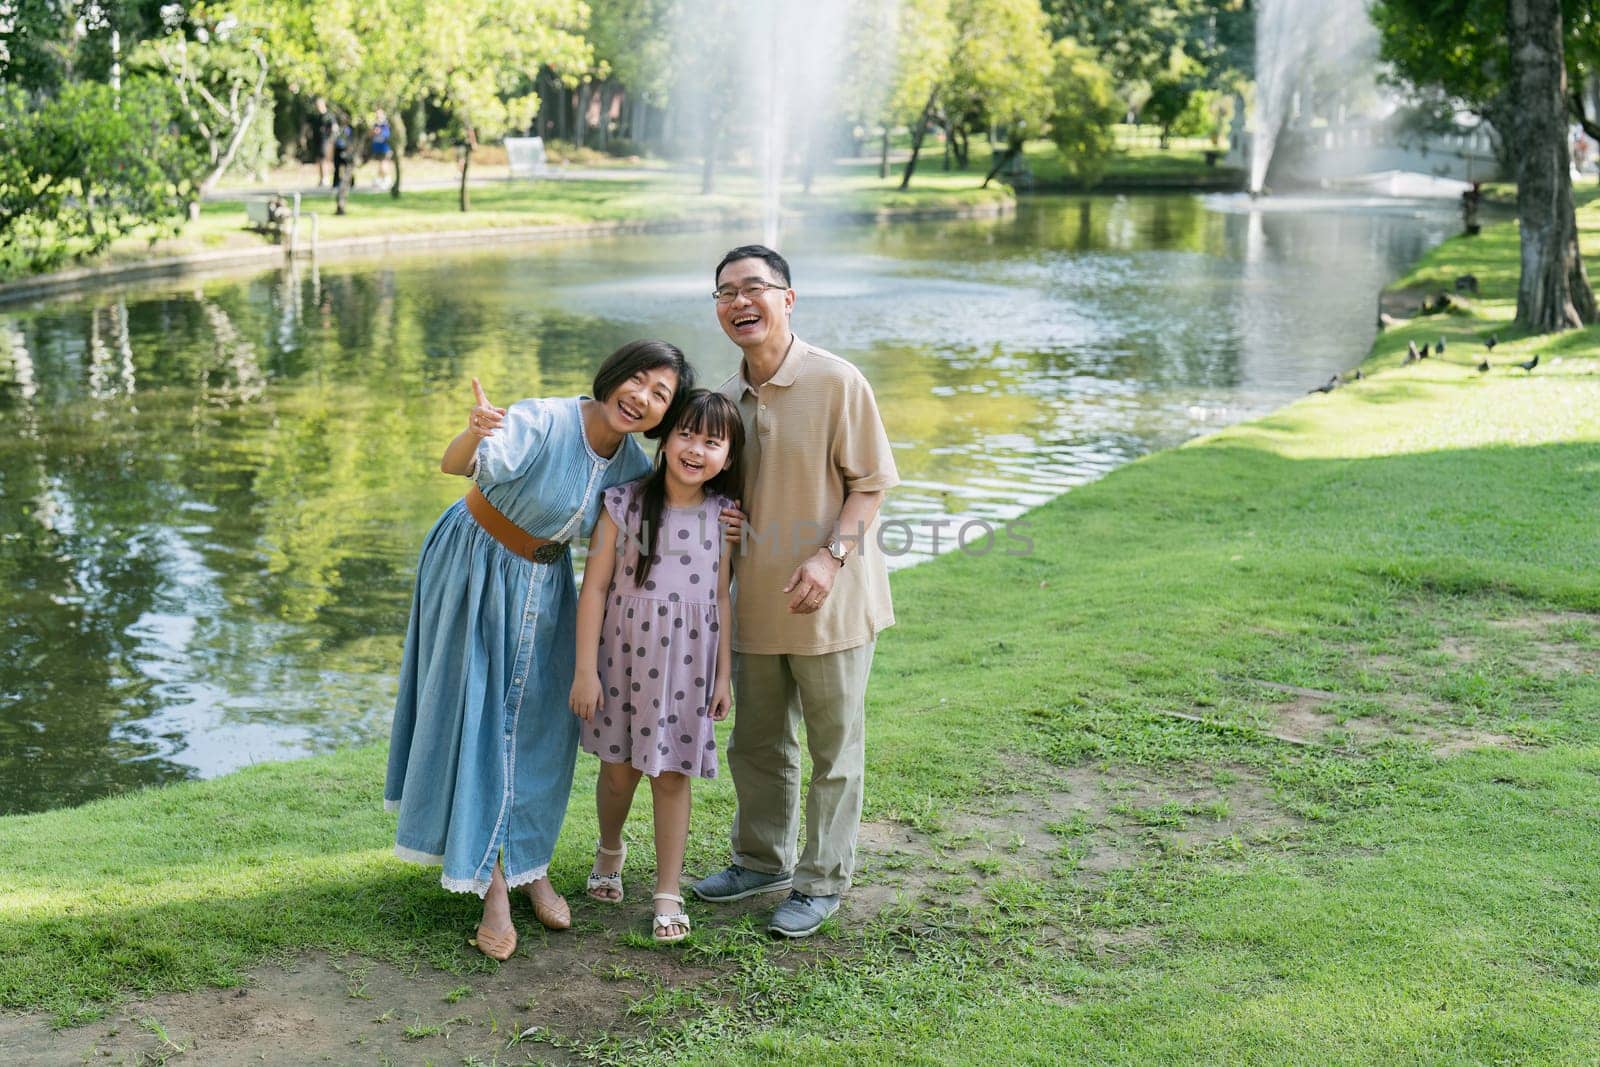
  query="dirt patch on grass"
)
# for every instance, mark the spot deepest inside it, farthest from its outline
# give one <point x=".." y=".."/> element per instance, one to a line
<point x="602" y="979"/>
<point x="321" y="1009"/>
<point x="1550" y="642"/>
<point x="1323" y="717"/>
<point x="1077" y="823"/>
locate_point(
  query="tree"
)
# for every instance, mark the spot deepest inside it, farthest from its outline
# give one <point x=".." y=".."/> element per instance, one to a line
<point x="85" y="166"/>
<point x="999" y="72"/>
<point x="1140" y="40"/>
<point x="1086" y="108"/>
<point x="476" y="59"/>
<point x="218" y="69"/>
<point x="1553" y="290"/>
<point x="1495" y="58"/>
<point x="1457" y="50"/>
<point x="1175" y="103"/>
<point x="707" y="88"/>
<point x="632" y="46"/>
<point x="868" y="71"/>
<point x="924" y="41"/>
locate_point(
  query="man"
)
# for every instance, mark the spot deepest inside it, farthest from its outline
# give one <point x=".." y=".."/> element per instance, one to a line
<point x="811" y="595"/>
<point x="323" y="126"/>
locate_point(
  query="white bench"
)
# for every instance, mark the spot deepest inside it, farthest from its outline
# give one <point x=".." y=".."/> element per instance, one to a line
<point x="268" y="213"/>
<point x="526" y="157"/>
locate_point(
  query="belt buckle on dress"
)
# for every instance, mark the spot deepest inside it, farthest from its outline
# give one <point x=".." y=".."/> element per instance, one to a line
<point x="549" y="552"/>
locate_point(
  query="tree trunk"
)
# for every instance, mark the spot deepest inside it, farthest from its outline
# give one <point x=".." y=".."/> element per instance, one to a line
<point x="918" y="131"/>
<point x="949" y="135"/>
<point x="581" y="131"/>
<point x="708" y="170"/>
<point x="883" y="157"/>
<point x="608" y="96"/>
<point x="808" y="161"/>
<point x="1580" y="113"/>
<point x="466" y="164"/>
<point x="419" y="127"/>
<point x="1012" y="149"/>
<point x="398" y="136"/>
<point x="963" y="149"/>
<point x="1553" y="292"/>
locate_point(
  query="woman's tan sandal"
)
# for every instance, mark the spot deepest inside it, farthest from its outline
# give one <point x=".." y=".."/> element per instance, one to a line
<point x="552" y="916"/>
<point x="612" y="881"/>
<point x="496" y="944"/>
<point x="671" y="919"/>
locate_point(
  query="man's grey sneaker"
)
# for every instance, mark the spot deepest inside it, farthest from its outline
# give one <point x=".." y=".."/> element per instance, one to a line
<point x="736" y="883"/>
<point x="800" y="915"/>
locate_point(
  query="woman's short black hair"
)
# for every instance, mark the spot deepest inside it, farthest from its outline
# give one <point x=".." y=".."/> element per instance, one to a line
<point x="779" y="265"/>
<point x="636" y="357"/>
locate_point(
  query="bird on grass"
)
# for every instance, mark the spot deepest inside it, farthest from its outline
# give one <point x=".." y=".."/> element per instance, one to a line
<point x="1411" y="352"/>
<point x="1529" y="364"/>
<point x="1483" y="368"/>
<point x="1326" y="387"/>
<point x="1423" y="353"/>
<point x="1359" y="375"/>
<point x="1439" y="348"/>
<point x="1490" y="341"/>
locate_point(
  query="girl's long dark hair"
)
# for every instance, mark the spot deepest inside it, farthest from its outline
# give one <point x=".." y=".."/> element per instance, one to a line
<point x="702" y="412"/>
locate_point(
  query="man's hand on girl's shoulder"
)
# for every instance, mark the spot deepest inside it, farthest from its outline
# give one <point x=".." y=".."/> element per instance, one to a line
<point x="732" y="521"/>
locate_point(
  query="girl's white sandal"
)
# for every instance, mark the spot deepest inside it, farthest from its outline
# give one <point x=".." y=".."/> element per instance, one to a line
<point x="612" y="881"/>
<point x="676" y="918"/>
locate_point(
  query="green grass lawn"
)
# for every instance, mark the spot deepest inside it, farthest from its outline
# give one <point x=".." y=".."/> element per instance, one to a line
<point x="1331" y="674"/>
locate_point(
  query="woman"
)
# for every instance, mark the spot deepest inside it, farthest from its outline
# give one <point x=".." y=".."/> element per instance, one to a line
<point x="482" y="750"/>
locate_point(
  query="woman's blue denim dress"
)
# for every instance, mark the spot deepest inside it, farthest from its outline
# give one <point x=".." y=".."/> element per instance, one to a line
<point x="483" y="744"/>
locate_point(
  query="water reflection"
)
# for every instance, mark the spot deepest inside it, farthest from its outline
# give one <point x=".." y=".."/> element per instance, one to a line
<point x="213" y="494"/>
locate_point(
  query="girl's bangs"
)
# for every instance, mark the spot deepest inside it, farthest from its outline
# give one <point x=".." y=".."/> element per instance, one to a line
<point x="712" y="414"/>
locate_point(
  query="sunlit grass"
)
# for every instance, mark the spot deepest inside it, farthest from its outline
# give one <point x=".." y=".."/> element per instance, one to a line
<point x="1414" y="907"/>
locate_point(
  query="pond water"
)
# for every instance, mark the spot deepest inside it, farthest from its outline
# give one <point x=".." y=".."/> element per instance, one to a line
<point x="212" y="492"/>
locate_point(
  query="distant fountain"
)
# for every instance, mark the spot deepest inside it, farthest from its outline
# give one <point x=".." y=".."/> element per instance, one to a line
<point x="1292" y="38"/>
<point x="761" y="77"/>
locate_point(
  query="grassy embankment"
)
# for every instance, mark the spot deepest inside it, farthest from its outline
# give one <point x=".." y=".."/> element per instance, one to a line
<point x="1139" y="163"/>
<point x="654" y="193"/>
<point x="1371" y="840"/>
<point x="656" y="196"/>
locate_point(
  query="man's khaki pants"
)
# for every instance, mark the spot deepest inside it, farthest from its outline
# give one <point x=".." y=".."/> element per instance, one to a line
<point x="772" y="695"/>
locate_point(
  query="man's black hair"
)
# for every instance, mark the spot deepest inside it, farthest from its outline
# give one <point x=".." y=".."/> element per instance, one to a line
<point x="779" y="265"/>
<point x="637" y="356"/>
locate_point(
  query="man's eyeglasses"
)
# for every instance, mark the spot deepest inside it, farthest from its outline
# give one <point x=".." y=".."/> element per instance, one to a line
<point x="750" y="291"/>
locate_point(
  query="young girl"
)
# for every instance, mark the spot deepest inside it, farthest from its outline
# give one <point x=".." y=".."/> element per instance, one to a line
<point x="652" y="675"/>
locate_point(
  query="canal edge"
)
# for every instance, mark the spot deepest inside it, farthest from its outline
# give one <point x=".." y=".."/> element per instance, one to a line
<point x="83" y="279"/>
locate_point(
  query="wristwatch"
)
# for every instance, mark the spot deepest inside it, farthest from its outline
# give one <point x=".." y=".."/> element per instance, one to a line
<point x="837" y="549"/>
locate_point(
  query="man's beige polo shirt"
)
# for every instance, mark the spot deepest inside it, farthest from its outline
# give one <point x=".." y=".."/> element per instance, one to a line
<point x="812" y="435"/>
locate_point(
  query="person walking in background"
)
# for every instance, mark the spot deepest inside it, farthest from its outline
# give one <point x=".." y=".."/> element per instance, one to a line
<point x="324" y="125"/>
<point x="482" y="749"/>
<point x="811" y="595"/>
<point x="654" y="658"/>
<point x="378" y="146"/>
<point x="344" y="164"/>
